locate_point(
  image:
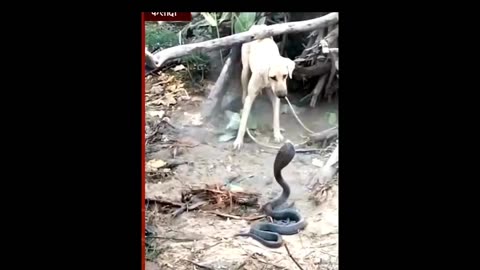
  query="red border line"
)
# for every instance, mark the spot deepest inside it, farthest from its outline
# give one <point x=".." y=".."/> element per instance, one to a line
<point x="143" y="142"/>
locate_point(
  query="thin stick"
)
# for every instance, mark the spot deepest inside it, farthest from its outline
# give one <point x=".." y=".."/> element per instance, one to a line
<point x="293" y="259"/>
<point x="236" y="217"/>
<point x="172" y="238"/>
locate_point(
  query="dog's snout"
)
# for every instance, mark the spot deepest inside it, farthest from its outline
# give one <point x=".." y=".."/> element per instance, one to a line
<point x="281" y="94"/>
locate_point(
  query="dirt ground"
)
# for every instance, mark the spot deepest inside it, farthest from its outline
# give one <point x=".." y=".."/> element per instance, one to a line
<point x="202" y="240"/>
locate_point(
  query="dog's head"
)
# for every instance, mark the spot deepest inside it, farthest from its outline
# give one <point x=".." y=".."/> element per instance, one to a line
<point x="277" y="75"/>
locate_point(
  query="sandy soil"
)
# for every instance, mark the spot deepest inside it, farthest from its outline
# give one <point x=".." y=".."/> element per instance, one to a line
<point x="196" y="239"/>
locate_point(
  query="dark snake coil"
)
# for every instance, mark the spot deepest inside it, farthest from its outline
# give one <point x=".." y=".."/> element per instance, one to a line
<point x="270" y="234"/>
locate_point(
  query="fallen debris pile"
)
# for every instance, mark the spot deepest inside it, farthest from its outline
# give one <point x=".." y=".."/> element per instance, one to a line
<point x="220" y="197"/>
<point x="211" y="197"/>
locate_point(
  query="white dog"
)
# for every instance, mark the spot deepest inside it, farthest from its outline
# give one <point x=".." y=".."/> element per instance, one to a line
<point x="268" y="69"/>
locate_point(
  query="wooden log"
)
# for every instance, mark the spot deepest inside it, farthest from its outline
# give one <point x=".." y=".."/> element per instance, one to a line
<point x="318" y="69"/>
<point x="228" y="41"/>
<point x="318" y="89"/>
<point x="215" y="97"/>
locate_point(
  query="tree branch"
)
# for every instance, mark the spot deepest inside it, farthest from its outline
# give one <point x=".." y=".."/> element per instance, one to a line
<point x="225" y="42"/>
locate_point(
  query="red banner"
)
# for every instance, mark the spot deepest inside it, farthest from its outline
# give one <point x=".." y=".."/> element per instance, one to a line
<point x="168" y="16"/>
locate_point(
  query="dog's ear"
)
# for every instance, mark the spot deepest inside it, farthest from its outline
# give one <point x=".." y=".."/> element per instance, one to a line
<point x="290" y="67"/>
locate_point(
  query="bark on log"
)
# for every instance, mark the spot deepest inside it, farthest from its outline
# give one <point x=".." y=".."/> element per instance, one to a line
<point x="225" y="42"/>
<point x="215" y="97"/>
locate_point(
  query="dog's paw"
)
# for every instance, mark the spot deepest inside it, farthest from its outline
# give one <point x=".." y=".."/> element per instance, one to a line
<point x="237" y="144"/>
<point x="278" y="137"/>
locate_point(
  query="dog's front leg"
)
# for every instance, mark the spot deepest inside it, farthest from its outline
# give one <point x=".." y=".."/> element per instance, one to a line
<point x="277" y="135"/>
<point x="249" y="99"/>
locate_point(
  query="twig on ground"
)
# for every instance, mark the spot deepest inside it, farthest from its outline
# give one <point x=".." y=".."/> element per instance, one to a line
<point x="290" y="255"/>
<point x="236" y="217"/>
<point x="172" y="238"/>
<point x="160" y="201"/>
<point x="188" y="207"/>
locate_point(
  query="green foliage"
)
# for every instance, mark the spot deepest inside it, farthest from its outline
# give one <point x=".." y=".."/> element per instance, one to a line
<point x="156" y="37"/>
<point x="244" y="21"/>
<point x="163" y="37"/>
<point x="240" y="21"/>
<point x="196" y="61"/>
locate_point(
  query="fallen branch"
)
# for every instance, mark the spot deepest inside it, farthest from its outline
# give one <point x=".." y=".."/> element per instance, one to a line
<point x="228" y="41"/>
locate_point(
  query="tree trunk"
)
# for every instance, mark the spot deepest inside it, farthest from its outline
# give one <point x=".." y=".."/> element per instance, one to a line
<point x="214" y="100"/>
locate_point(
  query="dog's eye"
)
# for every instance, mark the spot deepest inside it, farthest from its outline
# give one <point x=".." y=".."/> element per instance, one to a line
<point x="284" y="76"/>
<point x="273" y="78"/>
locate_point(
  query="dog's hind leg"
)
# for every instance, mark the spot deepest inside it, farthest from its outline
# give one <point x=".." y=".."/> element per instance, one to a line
<point x="245" y="70"/>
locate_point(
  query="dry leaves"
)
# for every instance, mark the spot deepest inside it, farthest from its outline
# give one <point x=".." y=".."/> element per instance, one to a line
<point x="167" y="91"/>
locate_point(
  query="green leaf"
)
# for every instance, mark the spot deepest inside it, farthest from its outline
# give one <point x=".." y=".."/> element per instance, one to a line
<point x="262" y="20"/>
<point x="227" y="136"/>
<point x="225" y="16"/>
<point x="244" y="21"/>
<point x="209" y="18"/>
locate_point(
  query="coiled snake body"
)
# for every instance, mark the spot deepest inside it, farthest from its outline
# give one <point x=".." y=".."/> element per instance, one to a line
<point x="269" y="234"/>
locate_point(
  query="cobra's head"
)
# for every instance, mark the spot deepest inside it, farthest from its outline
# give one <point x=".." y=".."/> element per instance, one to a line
<point x="284" y="156"/>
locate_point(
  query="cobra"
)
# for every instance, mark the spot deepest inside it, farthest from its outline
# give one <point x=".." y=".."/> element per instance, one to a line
<point x="270" y="234"/>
